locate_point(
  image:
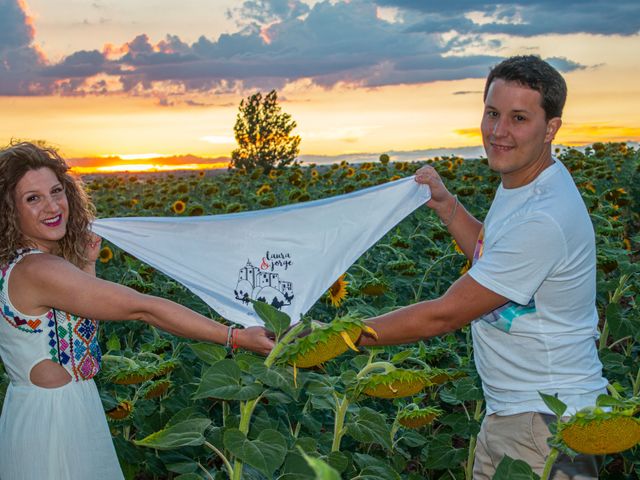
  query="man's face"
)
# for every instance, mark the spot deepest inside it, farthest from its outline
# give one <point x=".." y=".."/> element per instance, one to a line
<point x="515" y="133"/>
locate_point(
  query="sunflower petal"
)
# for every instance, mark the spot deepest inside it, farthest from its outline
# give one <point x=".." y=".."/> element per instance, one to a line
<point x="295" y="375"/>
<point x="370" y="331"/>
<point x="347" y="339"/>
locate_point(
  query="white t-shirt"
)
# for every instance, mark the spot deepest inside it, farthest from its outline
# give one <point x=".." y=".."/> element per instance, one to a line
<point x="537" y="249"/>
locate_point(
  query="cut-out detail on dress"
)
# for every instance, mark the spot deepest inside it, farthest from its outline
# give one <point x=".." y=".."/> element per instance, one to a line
<point x="41" y="372"/>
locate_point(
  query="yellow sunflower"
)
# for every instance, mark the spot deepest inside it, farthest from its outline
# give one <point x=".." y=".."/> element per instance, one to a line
<point x="415" y="417"/>
<point x="105" y="255"/>
<point x="179" y="207"/>
<point x="263" y="189"/>
<point x="338" y="291"/>
<point x="612" y="433"/>
<point x="457" y="248"/>
<point x="121" y="411"/>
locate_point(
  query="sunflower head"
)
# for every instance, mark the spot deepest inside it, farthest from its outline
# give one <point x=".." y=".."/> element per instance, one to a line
<point x="324" y="342"/>
<point x="374" y="287"/>
<point x="196" y="210"/>
<point x="132" y="376"/>
<point x="596" y="432"/>
<point x="267" y="200"/>
<point x="157" y="389"/>
<point x="265" y="188"/>
<point x="123" y="410"/>
<point x="179" y="207"/>
<point x="438" y="376"/>
<point x="105" y="255"/>
<point x="273" y="173"/>
<point x="165" y="367"/>
<point x="396" y="383"/>
<point x="413" y="416"/>
<point x="338" y="291"/>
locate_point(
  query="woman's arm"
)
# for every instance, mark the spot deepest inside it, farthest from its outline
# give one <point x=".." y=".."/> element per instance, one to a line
<point x="43" y="281"/>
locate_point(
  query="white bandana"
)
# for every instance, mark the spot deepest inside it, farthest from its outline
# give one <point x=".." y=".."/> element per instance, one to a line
<point x="286" y="256"/>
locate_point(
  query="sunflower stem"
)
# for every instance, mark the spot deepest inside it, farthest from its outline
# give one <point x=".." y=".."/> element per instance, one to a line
<point x="246" y="411"/>
<point x="386" y="366"/>
<point x="636" y="384"/>
<point x="363" y="269"/>
<point x="603" y="336"/>
<point x="224" y="459"/>
<point x="551" y="459"/>
<point x="117" y="358"/>
<point x="338" y="426"/>
<point x="205" y="471"/>
<point x="284" y="341"/>
<point x="427" y="271"/>
<point x="468" y="471"/>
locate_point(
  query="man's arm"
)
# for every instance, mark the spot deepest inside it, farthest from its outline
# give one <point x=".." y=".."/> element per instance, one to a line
<point x="465" y="301"/>
<point x="463" y="226"/>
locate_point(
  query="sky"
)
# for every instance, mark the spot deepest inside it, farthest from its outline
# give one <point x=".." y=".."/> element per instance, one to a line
<point x="124" y="81"/>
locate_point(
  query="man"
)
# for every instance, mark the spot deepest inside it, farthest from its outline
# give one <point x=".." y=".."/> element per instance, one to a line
<point x="531" y="290"/>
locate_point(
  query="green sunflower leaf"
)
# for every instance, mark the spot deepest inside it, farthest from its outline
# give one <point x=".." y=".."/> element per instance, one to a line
<point x="186" y="433"/>
<point x="370" y="427"/>
<point x="556" y="405"/>
<point x="273" y="319"/>
<point x="208" y="352"/>
<point x="510" y="469"/>
<point x="265" y="454"/>
<point x="322" y="470"/>
<point x="224" y="380"/>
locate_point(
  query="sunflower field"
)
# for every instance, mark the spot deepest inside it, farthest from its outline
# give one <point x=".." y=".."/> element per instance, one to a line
<point x="318" y="406"/>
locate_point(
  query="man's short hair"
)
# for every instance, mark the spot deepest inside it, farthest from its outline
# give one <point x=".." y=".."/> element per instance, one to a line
<point x="535" y="73"/>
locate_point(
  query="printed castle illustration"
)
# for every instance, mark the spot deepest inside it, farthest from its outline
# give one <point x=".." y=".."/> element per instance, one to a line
<point x="256" y="284"/>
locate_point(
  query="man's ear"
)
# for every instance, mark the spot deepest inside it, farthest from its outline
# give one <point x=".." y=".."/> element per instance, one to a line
<point x="553" y="126"/>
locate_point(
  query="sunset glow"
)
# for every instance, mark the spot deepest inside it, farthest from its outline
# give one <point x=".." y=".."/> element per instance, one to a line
<point x="358" y="77"/>
<point x="146" y="167"/>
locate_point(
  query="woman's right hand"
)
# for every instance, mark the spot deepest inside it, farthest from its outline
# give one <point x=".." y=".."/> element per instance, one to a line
<point x="442" y="201"/>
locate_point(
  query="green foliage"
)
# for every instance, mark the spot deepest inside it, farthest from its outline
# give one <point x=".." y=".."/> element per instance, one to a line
<point x="266" y="453"/>
<point x="236" y="392"/>
<point x="263" y="133"/>
<point x="510" y="469"/>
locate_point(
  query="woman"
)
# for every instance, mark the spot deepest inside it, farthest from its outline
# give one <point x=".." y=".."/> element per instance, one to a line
<point x="52" y="424"/>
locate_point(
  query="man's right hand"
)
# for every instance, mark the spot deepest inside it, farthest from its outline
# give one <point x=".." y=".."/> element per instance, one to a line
<point x="442" y="201"/>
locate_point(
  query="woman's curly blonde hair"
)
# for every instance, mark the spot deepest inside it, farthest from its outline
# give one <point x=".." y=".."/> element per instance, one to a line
<point x="15" y="161"/>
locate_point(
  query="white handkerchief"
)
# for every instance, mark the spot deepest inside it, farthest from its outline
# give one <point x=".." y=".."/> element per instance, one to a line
<point x="286" y="256"/>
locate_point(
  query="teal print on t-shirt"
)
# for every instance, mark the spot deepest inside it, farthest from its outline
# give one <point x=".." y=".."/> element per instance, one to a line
<point x="502" y="318"/>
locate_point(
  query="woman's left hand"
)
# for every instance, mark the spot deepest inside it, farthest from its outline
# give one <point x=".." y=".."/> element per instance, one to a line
<point x="256" y="339"/>
<point x="92" y="249"/>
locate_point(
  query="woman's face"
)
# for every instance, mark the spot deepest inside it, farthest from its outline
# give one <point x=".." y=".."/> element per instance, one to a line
<point x="43" y="209"/>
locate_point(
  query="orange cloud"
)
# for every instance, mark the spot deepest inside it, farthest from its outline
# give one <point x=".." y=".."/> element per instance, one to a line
<point x="580" y="134"/>
<point x="577" y="134"/>
<point x="113" y="52"/>
<point x="473" y="133"/>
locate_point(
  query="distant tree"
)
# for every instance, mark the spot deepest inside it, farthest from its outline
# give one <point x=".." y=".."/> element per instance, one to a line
<point x="263" y="133"/>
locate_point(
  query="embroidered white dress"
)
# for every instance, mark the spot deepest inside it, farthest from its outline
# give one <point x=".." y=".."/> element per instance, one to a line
<point x="51" y="433"/>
